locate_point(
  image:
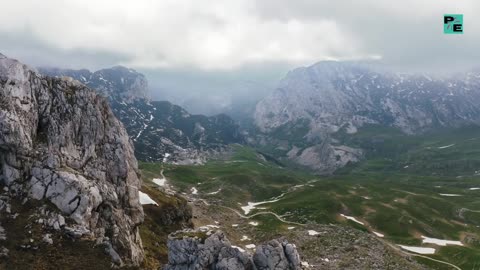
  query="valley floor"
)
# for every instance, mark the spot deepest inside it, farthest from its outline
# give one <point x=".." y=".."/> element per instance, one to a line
<point x="355" y="220"/>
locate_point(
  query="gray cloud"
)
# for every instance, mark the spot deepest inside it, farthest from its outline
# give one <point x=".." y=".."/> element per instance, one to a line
<point x="226" y="35"/>
<point x="215" y="49"/>
<point x="407" y="34"/>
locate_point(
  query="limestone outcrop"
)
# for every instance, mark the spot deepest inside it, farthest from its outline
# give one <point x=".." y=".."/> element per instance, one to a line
<point x="61" y="145"/>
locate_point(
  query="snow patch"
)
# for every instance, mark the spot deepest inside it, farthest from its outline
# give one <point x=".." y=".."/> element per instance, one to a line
<point x="312" y="232"/>
<point x="450" y="195"/>
<point x="252" y="205"/>
<point x="352" y="219"/>
<point x="145" y="199"/>
<point x="378" y="234"/>
<point x="215" y="192"/>
<point x="440" y="242"/>
<point x="419" y="250"/>
<point x="253" y="223"/>
<point x="245" y="238"/>
<point x="474" y="188"/>
<point x="446" y="146"/>
<point x="159" y="181"/>
<point x="194" y="191"/>
<point x="291" y="228"/>
<point x="250" y="246"/>
<point x="165" y="158"/>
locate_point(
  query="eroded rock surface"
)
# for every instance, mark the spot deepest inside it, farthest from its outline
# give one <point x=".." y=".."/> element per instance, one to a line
<point x="194" y="250"/>
<point x="60" y="143"/>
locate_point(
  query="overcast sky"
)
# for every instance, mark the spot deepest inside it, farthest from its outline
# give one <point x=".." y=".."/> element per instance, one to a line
<point x="214" y="37"/>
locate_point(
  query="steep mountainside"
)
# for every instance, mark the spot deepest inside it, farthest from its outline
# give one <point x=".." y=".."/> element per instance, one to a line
<point x="161" y="131"/>
<point x="68" y="171"/>
<point x="312" y="105"/>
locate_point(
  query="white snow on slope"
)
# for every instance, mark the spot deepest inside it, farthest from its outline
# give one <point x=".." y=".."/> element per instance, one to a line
<point x="144" y="127"/>
<point x="450" y="195"/>
<point x="446" y="146"/>
<point x="165" y="158"/>
<point x="159" y="181"/>
<point x="440" y="242"/>
<point x="419" y="250"/>
<point x="352" y="219"/>
<point x="215" y="192"/>
<point x="145" y="199"/>
<point x="252" y="205"/>
<point x="245" y="238"/>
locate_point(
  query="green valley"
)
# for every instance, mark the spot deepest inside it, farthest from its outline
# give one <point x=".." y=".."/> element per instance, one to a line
<point x="407" y="190"/>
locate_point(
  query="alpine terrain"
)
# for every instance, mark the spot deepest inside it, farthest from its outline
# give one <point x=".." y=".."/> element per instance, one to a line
<point x="160" y="131"/>
<point x="343" y="166"/>
<point x="314" y="109"/>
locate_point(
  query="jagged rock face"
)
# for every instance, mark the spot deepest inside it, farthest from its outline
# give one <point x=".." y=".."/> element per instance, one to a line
<point x="216" y="252"/>
<point x="312" y="103"/>
<point x="60" y="143"/>
<point x="161" y="131"/>
<point x="277" y="254"/>
<point x="334" y="94"/>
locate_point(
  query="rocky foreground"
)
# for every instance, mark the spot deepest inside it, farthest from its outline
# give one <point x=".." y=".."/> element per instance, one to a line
<point x="194" y="250"/>
<point x="67" y="170"/>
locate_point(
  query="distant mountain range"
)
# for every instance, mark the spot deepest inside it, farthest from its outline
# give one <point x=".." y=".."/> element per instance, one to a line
<point x="306" y="119"/>
<point x="160" y="130"/>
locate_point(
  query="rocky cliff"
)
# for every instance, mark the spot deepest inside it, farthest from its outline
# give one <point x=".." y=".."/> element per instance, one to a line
<point x="195" y="250"/>
<point x="63" y="152"/>
<point x="160" y="130"/>
<point x="312" y="105"/>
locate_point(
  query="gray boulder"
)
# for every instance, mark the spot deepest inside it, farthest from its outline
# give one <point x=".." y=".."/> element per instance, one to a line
<point x="193" y="250"/>
<point x="278" y="255"/>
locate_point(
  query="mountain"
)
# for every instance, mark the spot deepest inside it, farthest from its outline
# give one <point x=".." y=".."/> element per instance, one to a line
<point x="313" y="108"/>
<point x="68" y="172"/>
<point x="160" y="130"/>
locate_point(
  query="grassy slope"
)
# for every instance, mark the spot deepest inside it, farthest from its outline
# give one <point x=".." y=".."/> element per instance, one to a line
<point x="398" y="201"/>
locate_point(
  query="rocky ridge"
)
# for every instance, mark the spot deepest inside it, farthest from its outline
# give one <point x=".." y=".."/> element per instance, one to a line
<point x="312" y="107"/>
<point x="64" y="153"/>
